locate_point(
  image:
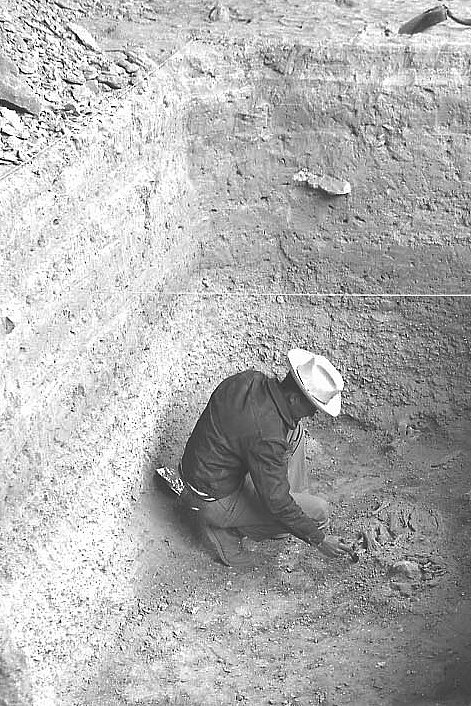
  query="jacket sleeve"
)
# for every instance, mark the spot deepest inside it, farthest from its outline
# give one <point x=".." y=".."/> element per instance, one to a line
<point x="268" y="468"/>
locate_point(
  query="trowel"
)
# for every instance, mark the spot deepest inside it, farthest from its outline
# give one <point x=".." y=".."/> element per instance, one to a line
<point x="174" y="482"/>
<point x="429" y="18"/>
<point x="172" y="479"/>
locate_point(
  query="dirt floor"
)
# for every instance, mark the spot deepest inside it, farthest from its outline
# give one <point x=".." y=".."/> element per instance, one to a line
<point x="394" y="628"/>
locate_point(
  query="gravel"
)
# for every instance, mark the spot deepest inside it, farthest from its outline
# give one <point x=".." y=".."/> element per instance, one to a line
<point x="54" y="75"/>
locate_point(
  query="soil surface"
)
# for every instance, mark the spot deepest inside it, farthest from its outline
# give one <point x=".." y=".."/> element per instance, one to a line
<point x="393" y="628"/>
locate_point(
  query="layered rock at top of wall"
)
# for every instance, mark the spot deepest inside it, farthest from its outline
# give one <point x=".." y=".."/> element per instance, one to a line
<point x="54" y="75"/>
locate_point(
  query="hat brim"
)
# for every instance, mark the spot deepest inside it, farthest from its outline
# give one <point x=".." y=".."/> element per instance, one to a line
<point x="298" y="357"/>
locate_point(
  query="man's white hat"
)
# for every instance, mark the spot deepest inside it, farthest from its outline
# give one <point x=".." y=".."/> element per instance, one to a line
<point x="318" y="379"/>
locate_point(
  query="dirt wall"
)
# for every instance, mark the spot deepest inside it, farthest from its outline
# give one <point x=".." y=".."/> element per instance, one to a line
<point x="91" y="235"/>
<point x="384" y="119"/>
<point x="405" y="361"/>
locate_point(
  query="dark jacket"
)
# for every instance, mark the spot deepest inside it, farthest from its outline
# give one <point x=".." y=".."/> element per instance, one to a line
<point x="242" y="430"/>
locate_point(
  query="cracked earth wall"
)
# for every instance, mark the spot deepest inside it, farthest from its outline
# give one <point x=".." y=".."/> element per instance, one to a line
<point x="170" y="246"/>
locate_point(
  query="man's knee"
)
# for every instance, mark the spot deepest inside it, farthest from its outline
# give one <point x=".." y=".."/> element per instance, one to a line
<point x="315" y="506"/>
<point x="323" y="512"/>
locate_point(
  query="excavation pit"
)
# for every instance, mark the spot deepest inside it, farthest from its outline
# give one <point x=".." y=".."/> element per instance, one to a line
<point x="169" y="245"/>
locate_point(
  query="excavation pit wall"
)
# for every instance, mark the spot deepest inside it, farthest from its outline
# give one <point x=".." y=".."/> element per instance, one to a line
<point x="169" y="246"/>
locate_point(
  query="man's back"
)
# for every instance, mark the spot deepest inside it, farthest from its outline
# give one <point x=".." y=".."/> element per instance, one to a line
<point x="245" y="411"/>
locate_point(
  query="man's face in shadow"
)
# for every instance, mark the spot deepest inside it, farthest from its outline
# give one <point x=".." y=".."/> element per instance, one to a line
<point x="301" y="407"/>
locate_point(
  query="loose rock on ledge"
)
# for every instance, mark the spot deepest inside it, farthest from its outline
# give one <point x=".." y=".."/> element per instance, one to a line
<point x="407" y="570"/>
<point x="14" y="92"/>
<point x="53" y="75"/>
<point x="84" y="36"/>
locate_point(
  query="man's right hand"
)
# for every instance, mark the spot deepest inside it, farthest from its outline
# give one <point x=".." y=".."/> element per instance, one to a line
<point x="333" y="547"/>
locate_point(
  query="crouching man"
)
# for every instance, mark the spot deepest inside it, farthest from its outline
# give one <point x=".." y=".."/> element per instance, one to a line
<point x="245" y="459"/>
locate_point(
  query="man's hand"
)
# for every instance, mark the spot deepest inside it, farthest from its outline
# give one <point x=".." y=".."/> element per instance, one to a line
<point x="333" y="547"/>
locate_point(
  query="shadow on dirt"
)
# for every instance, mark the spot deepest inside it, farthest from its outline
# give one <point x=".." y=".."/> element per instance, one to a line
<point x="455" y="687"/>
<point x="166" y="449"/>
<point x="453" y="690"/>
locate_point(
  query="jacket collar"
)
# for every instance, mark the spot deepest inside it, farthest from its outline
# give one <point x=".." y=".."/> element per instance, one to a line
<point x="280" y="403"/>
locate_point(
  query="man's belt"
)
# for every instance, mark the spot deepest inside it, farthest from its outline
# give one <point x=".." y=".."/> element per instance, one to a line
<point x="192" y="489"/>
<point x="204" y="496"/>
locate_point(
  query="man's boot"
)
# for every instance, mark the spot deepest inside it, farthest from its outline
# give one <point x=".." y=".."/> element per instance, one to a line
<point x="227" y="545"/>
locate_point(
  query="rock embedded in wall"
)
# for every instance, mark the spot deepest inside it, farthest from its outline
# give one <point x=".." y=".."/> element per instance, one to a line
<point x="8" y="325"/>
<point x="219" y="13"/>
<point x="331" y="186"/>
